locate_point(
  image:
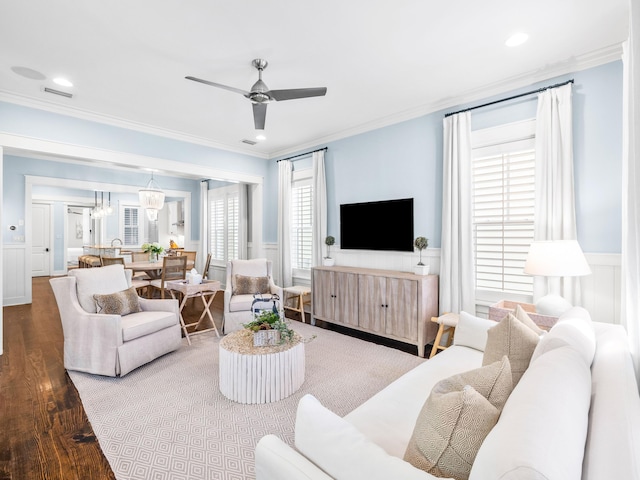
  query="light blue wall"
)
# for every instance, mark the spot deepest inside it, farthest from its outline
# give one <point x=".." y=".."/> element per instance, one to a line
<point x="405" y="160"/>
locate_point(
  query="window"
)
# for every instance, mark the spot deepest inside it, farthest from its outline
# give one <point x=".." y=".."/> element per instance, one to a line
<point x="301" y="223"/>
<point x="503" y="177"/>
<point x="131" y="228"/>
<point x="135" y="227"/>
<point x="224" y="223"/>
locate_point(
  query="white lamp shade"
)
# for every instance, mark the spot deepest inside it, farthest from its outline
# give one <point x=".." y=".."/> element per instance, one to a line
<point x="152" y="214"/>
<point x="556" y="258"/>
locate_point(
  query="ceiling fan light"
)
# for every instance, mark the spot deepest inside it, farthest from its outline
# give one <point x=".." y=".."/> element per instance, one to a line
<point x="516" y="39"/>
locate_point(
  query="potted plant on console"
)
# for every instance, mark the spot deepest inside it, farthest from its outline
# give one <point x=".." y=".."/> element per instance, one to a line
<point x="328" y="261"/>
<point x="421" y="243"/>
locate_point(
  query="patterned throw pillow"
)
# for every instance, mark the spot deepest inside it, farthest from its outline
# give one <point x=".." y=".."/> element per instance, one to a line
<point x="512" y="338"/>
<point x="119" y="303"/>
<point x="251" y="285"/>
<point x="454" y="421"/>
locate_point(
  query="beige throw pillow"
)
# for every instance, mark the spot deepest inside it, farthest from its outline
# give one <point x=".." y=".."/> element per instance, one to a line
<point x="459" y="413"/>
<point x="524" y="317"/>
<point x="119" y="303"/>
<point x="514" y="339"/>
<point x="251" y="285"/>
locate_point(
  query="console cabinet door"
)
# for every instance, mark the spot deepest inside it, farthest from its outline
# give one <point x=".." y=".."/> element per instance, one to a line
<point x="323" y="300"/>
<point x="402" y="311"/>
<point x="372" y="295"/>
<point x="346" y="297"/>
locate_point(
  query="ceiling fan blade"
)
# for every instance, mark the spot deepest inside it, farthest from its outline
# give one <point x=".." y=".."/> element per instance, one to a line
<point x="259" y="115"/>
<point x="213" y="84"/>
<point x="294" y="93"/>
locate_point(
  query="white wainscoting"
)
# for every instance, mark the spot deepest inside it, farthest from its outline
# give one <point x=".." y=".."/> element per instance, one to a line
<point x="601" y="291"/>
<point x="15" y="280"/>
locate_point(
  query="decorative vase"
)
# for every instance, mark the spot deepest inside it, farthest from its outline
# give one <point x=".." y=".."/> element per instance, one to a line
<point x="328" y="262"/>
<point x="421" y="269"/>
<point x="266" y="338"/>
<point x="153" y="257"/>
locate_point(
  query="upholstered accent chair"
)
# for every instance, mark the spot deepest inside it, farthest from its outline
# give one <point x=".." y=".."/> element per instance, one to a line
<point x="112" y="344"/>
<point x="244" y="279"/>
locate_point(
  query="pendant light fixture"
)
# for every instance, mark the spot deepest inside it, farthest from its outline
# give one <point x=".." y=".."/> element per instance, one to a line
<point x="151" y="199"/>
<point x="108" y="210"/>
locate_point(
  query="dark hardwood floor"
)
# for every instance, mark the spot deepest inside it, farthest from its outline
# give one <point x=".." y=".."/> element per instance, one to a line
<point x="44" y="431"/>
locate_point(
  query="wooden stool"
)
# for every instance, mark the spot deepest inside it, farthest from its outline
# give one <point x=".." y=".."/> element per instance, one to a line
<point x="302" y="296"/>
<point x="448" y="323"/>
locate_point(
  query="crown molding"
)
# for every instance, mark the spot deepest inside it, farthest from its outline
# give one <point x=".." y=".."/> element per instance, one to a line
<point x="82" y="114"/>
<point x="573" y="64"/>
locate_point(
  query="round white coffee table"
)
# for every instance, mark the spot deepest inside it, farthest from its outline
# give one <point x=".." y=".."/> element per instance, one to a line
<point x="251" y="374"/>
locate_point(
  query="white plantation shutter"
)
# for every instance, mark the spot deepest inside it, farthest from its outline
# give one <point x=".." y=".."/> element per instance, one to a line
<point x="131" y="234"/>
<point x="503" y="178"/>
<point x="225" y="223"/>
<point x="301" y="224"/>
<point x="216" y="227"/>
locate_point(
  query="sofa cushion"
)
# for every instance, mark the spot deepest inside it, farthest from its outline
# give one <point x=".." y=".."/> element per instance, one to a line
<point x="139" y="324"/>
<point x="576" y="332"/>
<point x="118" y="303"/>
<point x="472" y="331"/>
<point x="343" y="452"/>
<point x="543" y="426"/>
<point x="101" y="280"/>
<point x="514" y="339"/>
<point x="250" y="285"/>
<point x="456" y="418"/>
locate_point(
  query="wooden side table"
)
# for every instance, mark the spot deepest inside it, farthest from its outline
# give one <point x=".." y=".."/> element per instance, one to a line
<point x="448" y="323"/>
<point x="301" y="295"/>
<point x="252" y="375"/>
<point x="208" y="288"/>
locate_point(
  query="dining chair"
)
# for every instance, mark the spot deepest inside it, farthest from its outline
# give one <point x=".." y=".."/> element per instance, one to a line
<point x="191" y="256"/>
<point x="140" y="284"/>
<point x="139" y="257"/>
<point x="173" y="268"/>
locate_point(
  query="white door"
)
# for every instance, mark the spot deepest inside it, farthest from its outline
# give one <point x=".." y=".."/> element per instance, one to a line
<point x="41" y="238"/>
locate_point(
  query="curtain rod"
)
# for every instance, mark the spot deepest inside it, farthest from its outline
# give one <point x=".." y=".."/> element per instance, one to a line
<point x="303" y="154"/>
<point x="510" y="98"/>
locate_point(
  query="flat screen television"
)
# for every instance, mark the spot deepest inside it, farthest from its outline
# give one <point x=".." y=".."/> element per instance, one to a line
<point x="385" y="225"/>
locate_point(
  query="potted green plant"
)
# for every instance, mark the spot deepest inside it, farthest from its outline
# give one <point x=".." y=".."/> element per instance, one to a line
<point x="269" y="328"/>
<point x="329" y="241"/>
<point x="153" y="249"/>
<point x="421" y="243"/>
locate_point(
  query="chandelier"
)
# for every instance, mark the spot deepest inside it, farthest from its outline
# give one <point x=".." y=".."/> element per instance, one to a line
<point x="151" y="198"/>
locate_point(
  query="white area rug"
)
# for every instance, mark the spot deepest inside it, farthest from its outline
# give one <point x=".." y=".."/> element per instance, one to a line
<point x="168" y="419"/>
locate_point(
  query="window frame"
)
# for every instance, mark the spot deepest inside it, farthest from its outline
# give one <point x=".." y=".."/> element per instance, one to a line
<point x="498" y="140"/>
<point x="121" y="224"/>
<point x="300" y="178"/>
<point x="225" y="195"/>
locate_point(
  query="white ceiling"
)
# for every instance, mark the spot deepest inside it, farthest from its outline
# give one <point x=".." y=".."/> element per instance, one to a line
<point x="382" y="61"/>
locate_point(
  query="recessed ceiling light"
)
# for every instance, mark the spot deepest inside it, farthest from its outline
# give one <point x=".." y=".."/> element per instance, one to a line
<point x="516" y="39"/>
<point x="63" y="82"/>
<point x="260" y="137"/>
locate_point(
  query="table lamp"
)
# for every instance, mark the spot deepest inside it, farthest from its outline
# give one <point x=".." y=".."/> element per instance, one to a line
<point x="555" y="258"/>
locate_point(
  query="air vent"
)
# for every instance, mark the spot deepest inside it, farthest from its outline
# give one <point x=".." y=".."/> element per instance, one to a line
<point x="249" y="142"/>
<point x="58" y="92"/>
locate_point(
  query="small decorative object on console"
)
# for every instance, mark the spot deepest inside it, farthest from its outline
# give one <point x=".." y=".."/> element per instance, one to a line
<point x="421" y="243"/>
<point x="328" y="261"/>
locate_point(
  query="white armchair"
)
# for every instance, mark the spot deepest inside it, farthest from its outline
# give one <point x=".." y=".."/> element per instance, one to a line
<point x="239" y="291"/>
<point x="110" y="344"/>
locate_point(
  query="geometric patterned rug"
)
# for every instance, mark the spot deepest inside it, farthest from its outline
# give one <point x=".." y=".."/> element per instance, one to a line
<point x="168" y="419"/>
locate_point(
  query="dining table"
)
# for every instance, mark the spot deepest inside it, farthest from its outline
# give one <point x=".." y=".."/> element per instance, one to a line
<point x="152" y="269"/>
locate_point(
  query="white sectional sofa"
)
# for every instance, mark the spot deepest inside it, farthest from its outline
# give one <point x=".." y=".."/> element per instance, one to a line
<point x="574" y="414"/>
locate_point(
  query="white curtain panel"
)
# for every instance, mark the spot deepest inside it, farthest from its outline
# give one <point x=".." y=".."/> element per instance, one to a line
<point x="630" y="313"/>
<point x="555" y="212"/>
<point x="319" y="208"/>
<point x="457" y="276"/>
<point x="244" y="221"/>
<point x="203" y="250"/>
<point x="284" y="222"/>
